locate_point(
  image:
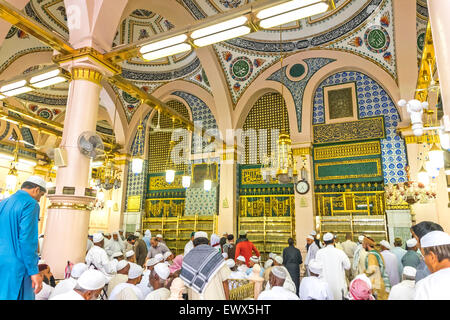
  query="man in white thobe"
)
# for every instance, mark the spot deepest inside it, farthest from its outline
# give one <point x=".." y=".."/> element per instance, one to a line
<point x="390" y="263"/>
<point x="114" y="245"/>
<point x="129" y="290"/>
<point x="349" y="248"/>
<point x="312" y="251"/>
<point x="436" y="250"/>
<point x="406" y="289"/>
<point x="276" y="282"/>
<point x="158" y="277"/>
<point x="334" y="262"/>
<point x="190" y="245"/>
<point x="97" y="257"/>
<point x="88" y="287"/>
<point x="68" y="284"/>
<point x="121" y="276"/>
<point x="145" y="285"/>
<point x="359" y="258"/>
<point x="314" y="287"/>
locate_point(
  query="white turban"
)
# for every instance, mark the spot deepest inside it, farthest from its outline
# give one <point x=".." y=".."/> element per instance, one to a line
<point x="361" y="238"/>
<point x="279" y="272"/>
<point x="310" y="237"/>
<point x="241" y="258"/>
<point x="230" y="263"/>
<point x="78" y="270"/>
<point x="92" y="280"/>
<point x="117" y="254"/>
<point x="385" y="244"/>
<point x="162" y="270"/>
<point x="167" y="254"/>
<point x="200" y="234"/>
<point x="159" y="257"/>
<point x="279" y="259"/>
<point x="409" y="271"/>
<point x="435" y="238"/>
<point x="328" y="236"/>
<point x="315" y="266"/>
<point x="98" y="237"/>
<point x="129" y="253"/>
<point x="135" y="271"/>
<point x="225" y="255"/>
<point x="121" y="264"/>
<point x="255" y="259"/>
<point x="151" y="262"/>
<point x="411" y="243"/>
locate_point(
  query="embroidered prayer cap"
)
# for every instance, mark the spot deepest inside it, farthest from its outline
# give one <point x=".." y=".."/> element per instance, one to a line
<point x="129" y="253"/>
<point x="167" y="254"/>
<point x="37" y="181"/>
<point x="279" y="272"/>
<point x="409" y="271"/>
<point x="200" y="234"/>
<point x="159" y="257"/>
<point x="162" y="270"/>
<point x="279" y="259"/>
<point x="151" y="262"/>
<point x="230" y="263"/>
<point x="241" y="258"/>
<point x="78" y="269"/>
<point x="411" y="243"/>
<point x="328" y="236"/>
<point x="135" y="271"/>
<point x="254" y="259"/>
<point x="385" y="244"/>
<point x="121" y="264"/>
<point x="310" y="237"/>
<point x="92" y="280"/>
<point x="98" y="237"/>
<point x="117" y="254"/>
<point x="315" y="266"/>
<point x="435" y="238"/>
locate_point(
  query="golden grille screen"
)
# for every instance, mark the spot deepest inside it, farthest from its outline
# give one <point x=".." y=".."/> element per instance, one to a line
<point x="159" y="141"/>
<point x="269" y="112"/>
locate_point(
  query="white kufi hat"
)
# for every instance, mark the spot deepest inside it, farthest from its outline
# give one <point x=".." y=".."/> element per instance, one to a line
<point x="162" y="270"/>
<point x="328" y="236"/>
<point x="135" y="271"/>
<point x="78" y="269"/>
<point x="411" y="243"/>
<point x="92" y="280"/>
<point x="279" y="272"/>
<point x="98" y="237"/>
<point x="435" y="238"/>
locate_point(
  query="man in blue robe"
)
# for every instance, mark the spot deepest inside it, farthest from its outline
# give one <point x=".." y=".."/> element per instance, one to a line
<point x="19" y="216"/>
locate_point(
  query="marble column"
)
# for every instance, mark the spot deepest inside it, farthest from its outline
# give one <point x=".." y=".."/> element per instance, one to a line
<point x="68" y="215"/>
<point x="440" y="26"/>
<point x="228" y="193"/>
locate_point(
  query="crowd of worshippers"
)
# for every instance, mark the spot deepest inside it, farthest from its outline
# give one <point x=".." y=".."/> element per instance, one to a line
<point x="144" y="268"/>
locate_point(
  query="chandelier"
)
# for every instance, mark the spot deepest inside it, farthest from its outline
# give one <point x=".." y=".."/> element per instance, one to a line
<point x="107" y="177"/>
<point x="137" y="163"/>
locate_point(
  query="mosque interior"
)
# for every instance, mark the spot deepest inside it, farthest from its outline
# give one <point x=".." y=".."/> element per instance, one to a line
<point x="207" y="115"/>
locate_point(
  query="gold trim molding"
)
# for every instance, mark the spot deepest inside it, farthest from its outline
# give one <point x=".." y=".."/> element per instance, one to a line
<point x="347" y="150"/>
<point x="301" y="151"/>
<point x="422" y="139"/>
<point x="87" y="74"/>
<point x="71" y="206"/>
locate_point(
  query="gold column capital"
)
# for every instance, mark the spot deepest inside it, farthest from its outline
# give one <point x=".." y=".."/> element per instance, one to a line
<point x="83" y="73"/>
<point x="434" y="138"/>
<point x="303" y="151"/>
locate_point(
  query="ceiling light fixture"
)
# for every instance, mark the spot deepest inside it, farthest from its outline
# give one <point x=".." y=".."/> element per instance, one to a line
<point x="222" y="36"/>
<point x="219" y="27"/>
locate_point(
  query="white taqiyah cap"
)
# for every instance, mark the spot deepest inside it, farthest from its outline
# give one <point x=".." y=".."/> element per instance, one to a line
<point x="279" y="272"/>
<point x="230" y="263"/>
<point x="121" y="264"/>
<point x="135" y="271"/>
<point x="162" y="270"/>
<point x="107" y="234"/>
<point x="435" y="238"/>
<point x="241" y="258"/>
<point x="255" y="259"/>
<point x="279" y="259"/>
<point x="42" y="261"/>
<point x="98" y="237"/>
<point x="38" y="180"/>
<point x="200" y="234"/>
<point x="272" y="255"/>
<point x="361" y="238"/>
<point x="411" y="243"/>
<point x="159" y="257"/>
<point x="151" y="262"/>
<point x="78" y="270"/>
<point x="409" y="271"/>
<point x="313" y="233"/>
<point x="225" y="255"/>
<point x="167" y="254"/>
<point x="92" y="280"/>
<point x="117" y="254"/>
<point x="328" y="236"/>
<point x="310" y="237"/>
<point x="159" y="236"/>
<point x="385" y="244"/>
<point x="129" y="253"/>
<point x="315" y="266"/>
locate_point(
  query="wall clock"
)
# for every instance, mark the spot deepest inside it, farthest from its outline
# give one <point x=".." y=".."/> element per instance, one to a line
<point x="302" y="187"/>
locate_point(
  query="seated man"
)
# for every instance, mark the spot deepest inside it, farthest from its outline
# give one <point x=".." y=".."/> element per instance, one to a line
<point x="129" y="290"/>
<point x="315" y="287"/>
<point x="68" y="284"/>
<point x="89" y="287"/>
<point x="277" y="292"/>
<point x="158" y="277"/>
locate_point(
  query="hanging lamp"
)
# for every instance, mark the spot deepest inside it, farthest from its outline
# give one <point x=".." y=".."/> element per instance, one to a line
<point x="170" y="172"/>
<point x="12" y="177"/>
<point x="207" y="183"/>
<point x="137" y="163"/>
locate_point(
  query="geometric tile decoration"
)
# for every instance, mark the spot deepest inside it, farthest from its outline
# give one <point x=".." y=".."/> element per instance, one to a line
<point x="297" y="88"/>
<point x="241" y="67"/>
<point x="199" y="78"/>
<point x="374" y="40"/>
<point x="373" y="101"/>
<point x="201" y="202"/>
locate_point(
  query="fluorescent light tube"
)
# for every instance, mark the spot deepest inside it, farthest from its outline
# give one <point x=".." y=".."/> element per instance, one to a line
<point x="13" y="85"/>
<point x="179" y="48"/>
<point x="163" y="43"/>
<point x="49" y="82"/>
<point x="44" y="76"/>
<point x="294" y="15"/>
<point x="222" y="36"/>
<point x="28" y="162"/>
<point x="2" y="97"/>
<point x="219" y="27"/>
<point x="15" y="92"/>
<point x="285" y="7"/>
<point x="6" y="157"/>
